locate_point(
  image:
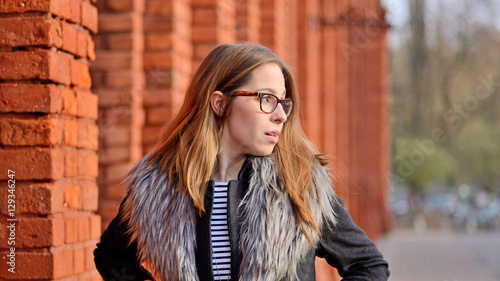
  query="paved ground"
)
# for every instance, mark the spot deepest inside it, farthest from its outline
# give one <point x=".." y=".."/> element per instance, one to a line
<point x="442" y="256"/>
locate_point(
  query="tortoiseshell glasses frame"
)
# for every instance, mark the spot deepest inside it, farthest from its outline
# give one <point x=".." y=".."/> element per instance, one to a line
<point x="268" y="102"/>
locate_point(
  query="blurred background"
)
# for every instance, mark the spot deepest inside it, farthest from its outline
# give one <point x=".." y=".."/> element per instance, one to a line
<point x="445" y="185"/>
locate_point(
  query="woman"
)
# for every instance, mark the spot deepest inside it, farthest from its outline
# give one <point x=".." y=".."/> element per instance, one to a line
<point x="233" y="189"/>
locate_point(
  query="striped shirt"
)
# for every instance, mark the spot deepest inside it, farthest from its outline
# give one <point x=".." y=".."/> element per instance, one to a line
<point x="221" y="248"/>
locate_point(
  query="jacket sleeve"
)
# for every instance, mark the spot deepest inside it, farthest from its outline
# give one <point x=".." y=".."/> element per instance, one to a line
<point x="114" y="259"/>
<point x="346" y="247"/>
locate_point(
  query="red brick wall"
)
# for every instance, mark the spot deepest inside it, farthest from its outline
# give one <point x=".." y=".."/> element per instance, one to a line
<point x="48" y="140"/>
<point x="118" y="79"/>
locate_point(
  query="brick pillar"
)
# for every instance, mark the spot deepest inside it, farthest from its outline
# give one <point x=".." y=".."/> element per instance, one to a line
<point x="118" y="77"/>
<point x="361" y="111"/>
<point x="48" y="141"/>
<point x="274" y="26"/>
<point x="309" y="68"/>
<point x="167" y="62"/>
<point x="214" y="23"/>
<point x="248" y="21"/>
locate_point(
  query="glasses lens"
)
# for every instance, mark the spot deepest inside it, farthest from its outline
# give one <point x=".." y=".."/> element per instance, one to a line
<point x="287" y="106"/>
<point x="268" y="103"/>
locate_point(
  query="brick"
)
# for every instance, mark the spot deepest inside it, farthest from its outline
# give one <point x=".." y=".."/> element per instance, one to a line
<point x="159" y="78"/>
<point x="90" y="48"/>
<point x="116" y="60"/>
<point x="85" y="79"/>
<point x="116" y="97"/>
<point x="89" y="257"/>
<point x="87" y="104"/>
<point x="69" y="33"/>
<point x="89" y="16"/>
<point x="75" y="72"/>
<point x="148" y="147"/>
<point x="158" y="96"/>
<point x="71" y="162"/>
<point x="158" y="24"/>
<point x="116" y="135"/>
<point x="63" y="262"/>
<point x="205" y="16"/>
<point x="59" y="8"/>
<point x="114" y="191"/>
<point x="81" y="43"/>
<point x="125" y="5"/>
<point x="40" y="64"/>
<point x="124" y="78"/>
<point x="70" y="230"/>
<point x="37" y="232"/>
<point x="70" y="132"/>
<point x="89" y="195"/>
<point x="158" y="41"/>
<point x="31" y="31"/>
<point x="69" y="102"/>
<point x="158" y="115"/>
<point x="30" y="98"/>
<point x="34" y="198"/>
<point x="95" y="227"/>
<point x="125" y="41"/>
<point x="75" y="8"/>
<point x="121" y="115"/>
<point x="72" y="196"/>
<point x="30" y="132"/>
<point x="125" y="22"/>
<point x="33" y="163"/>
<point x="88" y="164"/>
<point x="88" y="134"/>
<point x="37" y="264"/>
<point x="201" y="50"/>
<point x="108" y="210"/>
<point x="114" y="154"/>
<point x="114" y="173"/>
<point x="150" y="134"/>
<point x="78" y="258"/>
<point x="158" y="7"/>
<point x="158" y="60"/>
<point x="83" y="228"/>
<point x="97" y="79"/>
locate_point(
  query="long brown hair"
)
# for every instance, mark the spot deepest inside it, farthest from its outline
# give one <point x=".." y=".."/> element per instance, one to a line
<point x="188" y="145"/>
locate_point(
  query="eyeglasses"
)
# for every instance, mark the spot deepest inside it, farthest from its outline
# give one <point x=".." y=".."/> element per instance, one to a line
<point x="268" y="102"/>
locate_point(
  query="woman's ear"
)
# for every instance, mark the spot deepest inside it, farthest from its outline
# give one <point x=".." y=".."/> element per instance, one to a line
<point x="217" y="102"/>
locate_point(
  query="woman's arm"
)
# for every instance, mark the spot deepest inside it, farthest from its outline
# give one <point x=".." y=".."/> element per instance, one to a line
<point x="114" y="259"/>
<point x="346" y="247"/>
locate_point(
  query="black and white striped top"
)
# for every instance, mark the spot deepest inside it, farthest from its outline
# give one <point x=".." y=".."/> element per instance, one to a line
<point x="221" y="258"/>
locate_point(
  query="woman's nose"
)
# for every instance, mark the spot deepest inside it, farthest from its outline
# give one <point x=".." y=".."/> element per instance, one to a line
<point x="279" y="115"/>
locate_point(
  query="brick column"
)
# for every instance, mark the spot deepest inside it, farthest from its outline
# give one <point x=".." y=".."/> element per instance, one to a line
<point x="167" y="62"/>
<point x="214" y="23"/>
<point x="48" y="141"/>
<point x="248" y="21"/>
<point x="274" y="26"/>
<point x="309" y="68"/>
<point x="118" y="79"/>
<point x="362" y="111"/>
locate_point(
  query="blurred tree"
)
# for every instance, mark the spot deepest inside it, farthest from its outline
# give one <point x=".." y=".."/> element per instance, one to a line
<point x="446" y="82"/>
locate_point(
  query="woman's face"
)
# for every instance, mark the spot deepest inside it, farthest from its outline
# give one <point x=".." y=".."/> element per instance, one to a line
<point x="248" y="130"/>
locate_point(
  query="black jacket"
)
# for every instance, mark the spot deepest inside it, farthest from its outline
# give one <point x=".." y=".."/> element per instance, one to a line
<point x="346" y="247"/>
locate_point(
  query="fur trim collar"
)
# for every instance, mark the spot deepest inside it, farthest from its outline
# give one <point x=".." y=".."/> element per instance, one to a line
<point x="162" y="220"/>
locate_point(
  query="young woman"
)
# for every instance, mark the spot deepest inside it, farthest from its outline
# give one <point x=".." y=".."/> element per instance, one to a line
<point x="234" y="190"/>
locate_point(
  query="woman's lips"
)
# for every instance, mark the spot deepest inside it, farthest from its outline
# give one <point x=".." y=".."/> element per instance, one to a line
<point x="273" y="136"/>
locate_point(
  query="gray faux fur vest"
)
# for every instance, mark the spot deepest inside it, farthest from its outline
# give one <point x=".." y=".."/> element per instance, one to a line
<point x="162" y="221"/>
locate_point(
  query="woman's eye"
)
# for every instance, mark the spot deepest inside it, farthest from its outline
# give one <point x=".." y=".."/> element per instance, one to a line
<point x="266" y="99"/>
